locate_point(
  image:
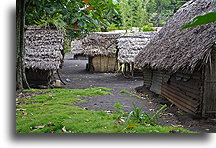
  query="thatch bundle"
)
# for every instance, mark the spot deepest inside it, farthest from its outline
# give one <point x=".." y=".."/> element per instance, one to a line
<point x="43" y="48"/>
<point x="172" y="49"/>
<point x="76" y="47"/>
<point x="129" y="45"/>
<point x="103" y="44"/>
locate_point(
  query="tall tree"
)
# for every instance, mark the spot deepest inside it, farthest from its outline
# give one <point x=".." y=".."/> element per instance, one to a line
<point x="125" y="10"/>
<point x="20" y="50"/>
<point x="134" y="13"/>
<point x="142" y="14"/>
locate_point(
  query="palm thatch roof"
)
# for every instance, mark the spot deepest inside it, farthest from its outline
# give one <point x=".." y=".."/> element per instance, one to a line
<point x="172" y="49"/>
<point x="129" y="45"/>
<point x="76" y="47"/>
<point x="43" y="48"/>
<point x="101" y="43"/>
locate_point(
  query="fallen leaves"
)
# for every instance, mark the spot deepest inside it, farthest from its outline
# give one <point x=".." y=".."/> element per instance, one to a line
<point x="37" y="127"/>
<point x="22" y="97"/>
<point x="42" y="126"/>
<point x="65" y="131"/>
<point x="22" y="110"/>
<point x="174" y="131"/>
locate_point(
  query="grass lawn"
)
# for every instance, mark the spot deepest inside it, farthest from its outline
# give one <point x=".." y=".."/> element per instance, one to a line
<point x="53" y="111"/>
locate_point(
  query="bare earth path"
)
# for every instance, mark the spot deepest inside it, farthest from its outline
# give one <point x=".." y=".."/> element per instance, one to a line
<point x="78" y="78"/>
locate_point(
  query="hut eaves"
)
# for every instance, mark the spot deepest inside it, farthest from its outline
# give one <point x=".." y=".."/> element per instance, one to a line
<point x="43" y="48"/>
<point x="76" y="47"/>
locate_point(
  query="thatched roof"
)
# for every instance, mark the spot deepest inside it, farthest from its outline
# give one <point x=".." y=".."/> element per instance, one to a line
<point x="76" y="47"/>
<point x="129" y="45"/>
<point x="43" y="48"/>
<point x="101" y="43"/>
<point x="172" y="49"/>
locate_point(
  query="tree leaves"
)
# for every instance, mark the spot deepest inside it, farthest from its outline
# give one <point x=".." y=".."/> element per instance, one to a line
<point x="86" y="1"/>
<point x="201" y="20"/>
<point x="83" y="12"/>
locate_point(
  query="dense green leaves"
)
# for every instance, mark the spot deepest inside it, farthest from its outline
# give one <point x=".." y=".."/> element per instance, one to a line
<point x="78" y="17"/>
<point x="201" y="20"/>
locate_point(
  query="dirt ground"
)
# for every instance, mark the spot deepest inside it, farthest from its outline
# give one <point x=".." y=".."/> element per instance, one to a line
<point x="75" y="76"/>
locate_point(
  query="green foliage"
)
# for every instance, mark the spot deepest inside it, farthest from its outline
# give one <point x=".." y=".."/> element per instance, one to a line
<point x="160" y="11"/>
<point x="137" y="13"/>
<point x="79" y="17"/>
<point x="134" y="13"/>
<point x="56" y="21"/>
<point x="201" y="20"/>
<point x="147" y="28"/>
<point x="119" y="107"/>
<point x="142" y="117"/>
<point x="112" y="27"/>
<point x="125" y="91"/>
<point x="137" y="113"/>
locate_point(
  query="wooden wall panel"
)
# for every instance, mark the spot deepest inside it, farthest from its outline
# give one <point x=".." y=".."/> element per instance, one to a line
<point x="184" y="91"/>
<point x="96" y="61"/>
<point x="147" y="76"/>
<point x="157" y="78"/>
<point x="209" y="100"/>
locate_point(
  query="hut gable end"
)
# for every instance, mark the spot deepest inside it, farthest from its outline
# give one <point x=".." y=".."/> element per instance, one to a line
<point x="100" y="44"/>
<point x="129" y="45"/>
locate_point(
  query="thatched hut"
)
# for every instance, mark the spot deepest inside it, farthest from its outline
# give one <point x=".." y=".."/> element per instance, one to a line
<point x="101" y="51"/>
<point x="184" y="61"/>
<point x="44" y="48"/>
<point x="129" y="46"/>
<point x="77" y="50"/>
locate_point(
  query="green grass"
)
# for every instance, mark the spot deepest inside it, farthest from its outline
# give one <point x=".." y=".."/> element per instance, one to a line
<point x="53" y="111"/>
<point x="125" y="91"/>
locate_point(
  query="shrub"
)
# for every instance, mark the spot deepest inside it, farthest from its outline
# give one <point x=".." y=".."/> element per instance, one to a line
<point x="148" y="27"/>
<point x="112" y="27"/>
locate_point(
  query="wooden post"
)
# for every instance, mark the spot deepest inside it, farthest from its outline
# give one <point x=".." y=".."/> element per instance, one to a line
<point x="132" y="69"/>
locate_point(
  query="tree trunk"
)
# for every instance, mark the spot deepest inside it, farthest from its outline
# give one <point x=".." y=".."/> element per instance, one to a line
<point x="20" y="49"/>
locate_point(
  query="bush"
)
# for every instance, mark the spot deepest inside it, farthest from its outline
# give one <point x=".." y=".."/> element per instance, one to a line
<point x="112" y="27"/>
<point x="148" y="27"/>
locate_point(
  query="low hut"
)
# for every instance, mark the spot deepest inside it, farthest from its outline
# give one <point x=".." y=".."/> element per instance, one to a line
<point x="101" y="51"/>
<point x="129" y="46"/>
<point x="44" y="48"/>
<point x="183" y="62"/>
<point x="77" y="50"/>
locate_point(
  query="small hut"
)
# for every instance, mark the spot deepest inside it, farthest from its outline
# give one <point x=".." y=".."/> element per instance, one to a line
<point x="182" y="63"/>
<point x="129" y="46"/>
<point x="101" y="51"/>
<point x="77" y="50"/>
<point x="44" y="49"/>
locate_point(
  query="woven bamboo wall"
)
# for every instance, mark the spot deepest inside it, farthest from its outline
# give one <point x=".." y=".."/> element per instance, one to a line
<point x="104" y="64"/>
